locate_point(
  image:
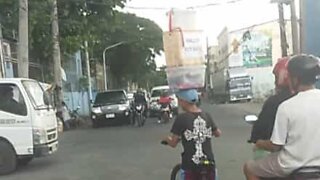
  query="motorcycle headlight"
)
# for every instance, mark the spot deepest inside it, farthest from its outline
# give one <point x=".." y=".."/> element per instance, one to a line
<point x="97" y="110"/>
<point x="139" y="107"/>
<point x="39" y="136"/>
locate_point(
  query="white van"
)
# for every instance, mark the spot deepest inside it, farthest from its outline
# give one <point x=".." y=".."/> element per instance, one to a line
<point x="28" y="125"/>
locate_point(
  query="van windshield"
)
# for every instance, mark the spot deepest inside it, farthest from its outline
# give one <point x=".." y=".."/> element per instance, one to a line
<point x="36" y="94"/>
<point x="240" y="82"/>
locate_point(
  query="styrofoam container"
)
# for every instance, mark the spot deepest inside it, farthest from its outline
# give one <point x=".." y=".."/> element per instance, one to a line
<point x="186" y="77"/>
<point x="184" y="19"/>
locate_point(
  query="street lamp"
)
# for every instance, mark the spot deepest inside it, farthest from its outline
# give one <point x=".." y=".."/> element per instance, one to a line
<point x="104" y="62"/>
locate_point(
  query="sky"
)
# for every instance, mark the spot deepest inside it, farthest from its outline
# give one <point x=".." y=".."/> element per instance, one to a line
<point x="212" y="19"/>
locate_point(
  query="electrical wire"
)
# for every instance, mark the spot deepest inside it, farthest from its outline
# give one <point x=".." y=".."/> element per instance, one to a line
<point x="189" y="7"/>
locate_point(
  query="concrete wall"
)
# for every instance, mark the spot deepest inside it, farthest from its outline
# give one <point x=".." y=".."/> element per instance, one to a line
<point x="263" y="82"/>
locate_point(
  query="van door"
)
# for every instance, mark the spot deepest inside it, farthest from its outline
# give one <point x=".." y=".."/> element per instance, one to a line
<point x="15" y="121"/>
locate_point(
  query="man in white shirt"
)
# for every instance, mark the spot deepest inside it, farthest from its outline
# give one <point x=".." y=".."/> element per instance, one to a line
<point x="295" y="140"/>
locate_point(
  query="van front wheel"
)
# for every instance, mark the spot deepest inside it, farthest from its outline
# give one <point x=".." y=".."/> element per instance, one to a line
<point x="8" y="158"/>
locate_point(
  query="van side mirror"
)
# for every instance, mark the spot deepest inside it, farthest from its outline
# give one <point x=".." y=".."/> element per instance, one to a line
<point x="250" y="119"/>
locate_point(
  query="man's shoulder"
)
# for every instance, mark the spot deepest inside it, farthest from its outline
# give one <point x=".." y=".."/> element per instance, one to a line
<point x="290" y="103"/>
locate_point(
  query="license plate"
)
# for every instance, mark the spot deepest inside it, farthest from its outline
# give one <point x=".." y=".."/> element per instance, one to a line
<point x="110" y="116"/>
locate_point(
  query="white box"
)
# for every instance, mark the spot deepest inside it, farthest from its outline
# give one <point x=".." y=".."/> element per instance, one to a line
<point x="186" y="77"/>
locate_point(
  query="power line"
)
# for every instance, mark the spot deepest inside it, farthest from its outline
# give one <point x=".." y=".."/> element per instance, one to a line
<point x="214" y="4"/>
<point x="189" y="7"/>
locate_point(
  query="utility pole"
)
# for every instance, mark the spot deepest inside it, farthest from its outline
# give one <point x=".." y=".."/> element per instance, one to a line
<point x="105" y="64"/>
<point x="294" y="28"/>
<point x="56" y="55"/>
<point x="283" y="36"/>
<point x="2" y="71"/>
<point x="86" y="48"/>
<point x="23" y="46"/>
<point x="88" y="70"/>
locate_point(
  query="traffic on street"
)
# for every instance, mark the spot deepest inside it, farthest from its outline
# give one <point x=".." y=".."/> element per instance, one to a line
<point x="159" y="90"/>
<point x="126" y="152"/>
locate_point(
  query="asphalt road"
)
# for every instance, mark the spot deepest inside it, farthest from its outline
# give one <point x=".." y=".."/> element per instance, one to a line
<point x="125" y="152"/>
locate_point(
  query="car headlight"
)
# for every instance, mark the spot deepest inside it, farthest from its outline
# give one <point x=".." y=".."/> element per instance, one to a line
<point x="97" y="110"/>
<point x="153" y="104"/>
<point x="123" y="108"/>
<point x="39" y="136"/>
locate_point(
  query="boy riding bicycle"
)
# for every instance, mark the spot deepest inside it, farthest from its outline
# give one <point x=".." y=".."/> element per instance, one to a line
<point x="195" y="128"/>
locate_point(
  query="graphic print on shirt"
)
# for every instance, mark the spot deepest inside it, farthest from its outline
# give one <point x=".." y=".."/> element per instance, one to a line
<point x="199" y="134"/>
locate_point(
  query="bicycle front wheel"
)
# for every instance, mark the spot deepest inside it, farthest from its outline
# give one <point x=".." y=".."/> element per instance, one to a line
<point x="176" y="172"/>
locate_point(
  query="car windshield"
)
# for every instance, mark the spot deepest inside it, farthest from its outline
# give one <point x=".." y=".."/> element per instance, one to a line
<point x="36" y="94"/>
<point x="110" y="97"/>
<point x="158" y="92"/>
<point x="240" y="82"/>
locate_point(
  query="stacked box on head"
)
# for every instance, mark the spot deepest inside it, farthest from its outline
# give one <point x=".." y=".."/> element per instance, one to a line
<point x="184" y="51"/>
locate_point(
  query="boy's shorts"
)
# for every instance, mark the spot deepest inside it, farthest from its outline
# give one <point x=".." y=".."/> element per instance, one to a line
<point x="267" y="167"/>
<point x="195" y="175"/>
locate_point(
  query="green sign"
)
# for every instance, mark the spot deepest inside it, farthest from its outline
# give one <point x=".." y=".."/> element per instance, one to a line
<point x="257" y="50"/>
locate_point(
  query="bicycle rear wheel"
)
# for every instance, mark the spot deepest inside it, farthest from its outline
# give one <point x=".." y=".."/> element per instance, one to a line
<point x="176" y="172"/>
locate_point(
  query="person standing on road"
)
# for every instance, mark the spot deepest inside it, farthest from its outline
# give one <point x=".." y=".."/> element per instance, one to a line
<point x="295" y="137"/>
<point x="262" y="128"/>
<point x="196" y="129"/>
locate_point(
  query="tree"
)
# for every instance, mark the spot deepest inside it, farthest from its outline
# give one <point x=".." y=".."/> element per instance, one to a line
<point x="134" y="60"/>
<point x="102" y="26"/>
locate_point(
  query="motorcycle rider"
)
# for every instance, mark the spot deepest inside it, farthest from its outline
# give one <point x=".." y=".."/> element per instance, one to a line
<point x="262" y="128"/>
<point x="295" y="137"/>
<point x="165" y="101"/>
<point x="196" y="129"/>
<point x="140" y="98"/>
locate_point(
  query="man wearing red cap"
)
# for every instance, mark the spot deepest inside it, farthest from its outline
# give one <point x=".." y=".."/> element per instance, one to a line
<point x="262" y="129"/>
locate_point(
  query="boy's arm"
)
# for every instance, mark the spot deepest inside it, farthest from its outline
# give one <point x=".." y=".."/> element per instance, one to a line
<point x="177" y="131"/>
<point x="172" y="140"/>
<point x="215" y="130"/>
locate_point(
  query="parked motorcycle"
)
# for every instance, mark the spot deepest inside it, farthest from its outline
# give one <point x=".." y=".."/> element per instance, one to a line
<point x="75" y="118"/>
<point x="302" y="173"/>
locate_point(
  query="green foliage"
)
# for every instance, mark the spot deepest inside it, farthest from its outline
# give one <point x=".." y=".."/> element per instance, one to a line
<point x="100" y="24"/>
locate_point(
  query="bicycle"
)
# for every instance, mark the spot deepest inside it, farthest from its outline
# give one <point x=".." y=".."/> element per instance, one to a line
<point x="205" y="170"/>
